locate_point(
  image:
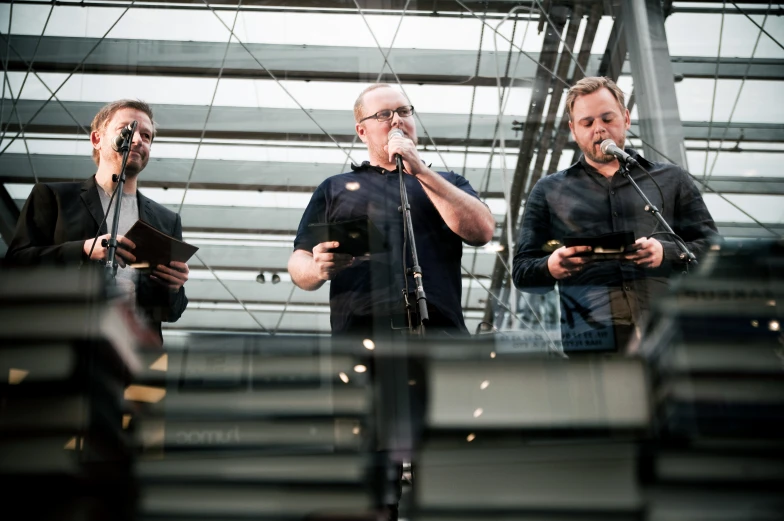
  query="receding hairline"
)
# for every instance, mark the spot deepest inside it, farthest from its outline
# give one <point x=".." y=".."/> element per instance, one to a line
<point x="359" y="103"/>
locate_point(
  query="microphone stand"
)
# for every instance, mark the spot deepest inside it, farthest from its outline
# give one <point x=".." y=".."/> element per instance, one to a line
<point x="685" y="255"/>
<point x="111" y="243"/>
<point x="416" y="269"/>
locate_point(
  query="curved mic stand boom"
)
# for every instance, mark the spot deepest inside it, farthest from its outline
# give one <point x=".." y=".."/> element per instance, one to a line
<point x="686" y="255"/>
<point x="111" y="243"/>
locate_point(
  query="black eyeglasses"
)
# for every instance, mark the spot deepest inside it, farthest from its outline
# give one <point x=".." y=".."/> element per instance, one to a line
<point x="385" y="115"/>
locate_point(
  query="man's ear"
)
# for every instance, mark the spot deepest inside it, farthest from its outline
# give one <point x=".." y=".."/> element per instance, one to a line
<point x="361" y="132"/>
<point x="571" y="129"/>
<point x="95" y="139"/>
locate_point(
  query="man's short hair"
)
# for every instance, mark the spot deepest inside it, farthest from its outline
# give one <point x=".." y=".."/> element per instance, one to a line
<point x="107" y="112"/>
<point x="359" y="107"/>
<point x="590" y="85"/>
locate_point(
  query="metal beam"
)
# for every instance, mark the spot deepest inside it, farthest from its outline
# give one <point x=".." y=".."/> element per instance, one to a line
<point x="321" y="63"/>
<point x="562" y="133"/>
<point x="531" y="128"/>
<point x="654" y="86"/>
<point x="566" y="62"/>
<point x="186" y="121"/>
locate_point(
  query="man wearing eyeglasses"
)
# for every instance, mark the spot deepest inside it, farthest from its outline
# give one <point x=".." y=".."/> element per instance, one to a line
<point x="367" y="293"/>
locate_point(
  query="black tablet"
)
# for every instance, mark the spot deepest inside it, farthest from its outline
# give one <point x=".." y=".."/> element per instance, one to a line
<point x="614" y="245"/>
<point x="356" y="237"/>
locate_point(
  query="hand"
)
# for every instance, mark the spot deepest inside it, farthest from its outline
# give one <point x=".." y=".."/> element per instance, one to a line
<point x="565" y="262"/>
<point x="650" y="253"/>
<point x="122" y="253"/>
<point x="407" y="149"/>
<point x="330" y="264"/>
<point x="172" y="276"/>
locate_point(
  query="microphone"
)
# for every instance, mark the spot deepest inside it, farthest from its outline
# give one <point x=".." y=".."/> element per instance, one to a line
<point x="609" y="147"/>
<point x="398" y="160"/>
<point x="117" y="142"/>
<point x="394" y="133"/>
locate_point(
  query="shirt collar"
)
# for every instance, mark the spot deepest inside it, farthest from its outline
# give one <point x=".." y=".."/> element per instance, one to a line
<point x="381" y="170"/>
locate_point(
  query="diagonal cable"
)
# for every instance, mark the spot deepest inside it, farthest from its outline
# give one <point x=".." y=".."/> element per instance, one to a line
<point x="285" y="307"/>
<point x="24" y="139"/>
<point x="473" y="95"/>
<point x="632" y="134"/>
<point x="563" y="40"/>
<point x="707" y="178"/>
<point x="400" y="84"/>
<point x="503" y="99"/>
<point x="46" y="86"/>
<point x="380" y="74"/>
<point x="758" y="25"/>
<point x="196" y="158"/>
<point x="29" y="67"/>
<point x="235" y="297"/>
<point x="81" y="63"/>
<point x="507" y="308"/>
<point x="713" y="98"/>
<point x="5" y="67"/>
<point x="276" y="80"/>
<point x="209" y="109"/>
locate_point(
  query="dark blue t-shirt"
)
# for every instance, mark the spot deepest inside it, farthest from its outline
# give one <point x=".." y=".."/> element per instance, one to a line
<point x="375" y="286"/>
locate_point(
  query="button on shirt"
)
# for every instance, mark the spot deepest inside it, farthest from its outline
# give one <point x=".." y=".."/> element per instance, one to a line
<point x="581" y="201"/>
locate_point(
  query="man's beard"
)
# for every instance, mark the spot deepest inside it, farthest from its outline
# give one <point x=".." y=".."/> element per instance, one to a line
<point x="599" y="158"/>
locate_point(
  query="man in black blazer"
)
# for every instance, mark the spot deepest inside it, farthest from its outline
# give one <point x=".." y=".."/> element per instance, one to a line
<point x="59" y="221"/>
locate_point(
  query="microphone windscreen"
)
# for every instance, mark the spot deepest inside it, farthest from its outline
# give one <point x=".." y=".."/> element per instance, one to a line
<point x="394" y="132"/>
<point x="117" y="142"/>
<point x="606" y="145"/>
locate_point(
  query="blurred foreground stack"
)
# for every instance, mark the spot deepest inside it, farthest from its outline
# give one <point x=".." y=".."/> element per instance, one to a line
<point x="716" y="351"/>
<point x="530" y="437"/>
<point x="99" y="423"/>
<point x="254" y="427"/>
<point x="67" y="355"/>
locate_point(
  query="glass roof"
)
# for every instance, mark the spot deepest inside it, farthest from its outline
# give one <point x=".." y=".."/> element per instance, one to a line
<point x="177" y="60"/>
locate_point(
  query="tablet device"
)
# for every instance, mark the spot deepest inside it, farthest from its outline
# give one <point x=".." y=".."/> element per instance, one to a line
<point x="357" y="237"/>
<point x="614" y="245"/>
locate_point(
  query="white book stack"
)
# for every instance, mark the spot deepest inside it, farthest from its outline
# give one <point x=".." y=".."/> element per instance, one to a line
<point x="531" y="437"/>
<point x="257" y="427"/>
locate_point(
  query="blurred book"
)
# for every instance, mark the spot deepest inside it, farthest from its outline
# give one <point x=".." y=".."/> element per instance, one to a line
<point x="252" y="467"/>
<point x="114" y="324"/>
<point x="251" y="501"/>
<point x="486" y="475"/>
<point x="327" y="435"/>
<point x="545" y="393"/>
<point x="345" y="401"/>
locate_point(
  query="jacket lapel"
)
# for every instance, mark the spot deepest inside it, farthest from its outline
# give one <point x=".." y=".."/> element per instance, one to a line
<point x="92" y="200"/>
<point x="146" y="212"/>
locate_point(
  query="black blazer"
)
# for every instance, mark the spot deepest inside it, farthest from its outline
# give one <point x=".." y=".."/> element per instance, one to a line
<point x="58" y="217"/>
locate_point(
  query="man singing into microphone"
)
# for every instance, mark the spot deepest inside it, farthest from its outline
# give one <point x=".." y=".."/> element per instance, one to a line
<point x="59" y="221"/>
<point x="367" y="293"/>
<point x="605" y="299"/>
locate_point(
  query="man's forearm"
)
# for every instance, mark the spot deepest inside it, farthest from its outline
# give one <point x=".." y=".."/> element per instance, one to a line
<point x="465" y="215"/>
<point x="303" y="271"/>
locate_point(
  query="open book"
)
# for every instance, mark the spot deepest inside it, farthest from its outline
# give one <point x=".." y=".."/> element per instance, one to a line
<point x="154" y="247"/>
